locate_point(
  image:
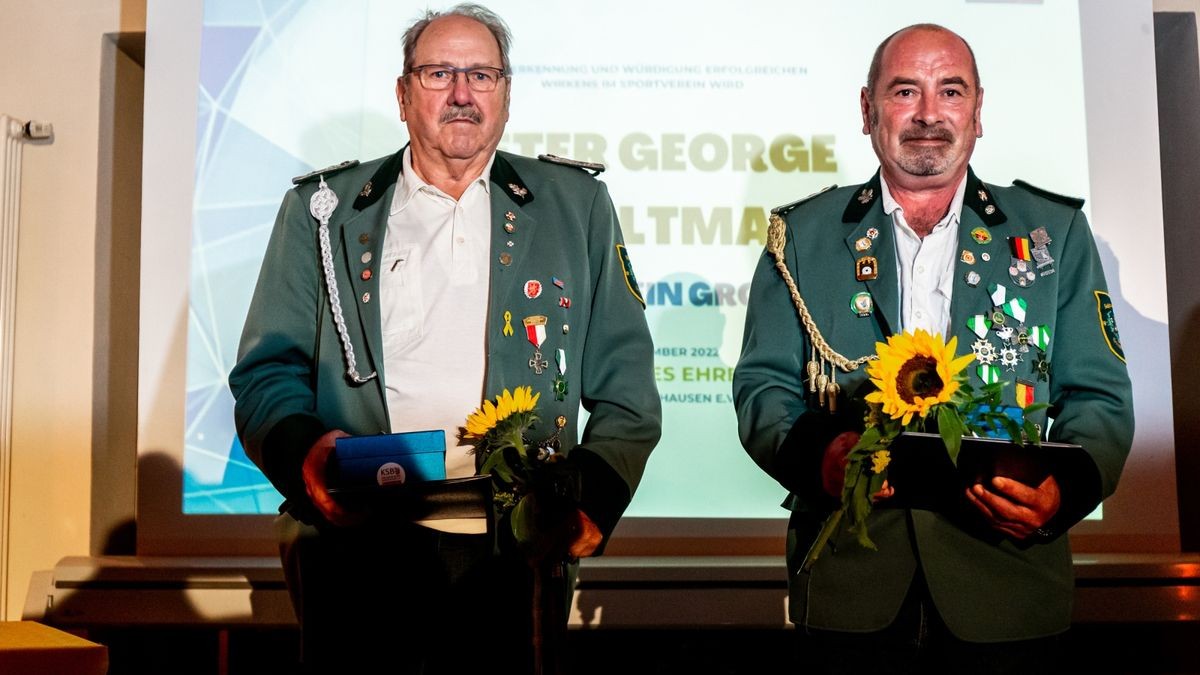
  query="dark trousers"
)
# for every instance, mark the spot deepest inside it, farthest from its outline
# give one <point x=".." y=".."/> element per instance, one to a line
<point x="919" y="642"/>
<point x="399" y="598"/>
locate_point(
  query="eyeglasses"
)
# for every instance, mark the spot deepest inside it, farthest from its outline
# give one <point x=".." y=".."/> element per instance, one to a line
<point x="437" y="76"/>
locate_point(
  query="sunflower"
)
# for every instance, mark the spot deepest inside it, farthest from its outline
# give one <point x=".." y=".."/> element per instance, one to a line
<point x="489" y="415"/>
<point x="915" y="372"/>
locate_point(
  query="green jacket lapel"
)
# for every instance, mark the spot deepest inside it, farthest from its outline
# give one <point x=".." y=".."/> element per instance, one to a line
<point x="510" y="196"/>
<point x="981" y="220"/>
<point x="885" y="287"/>
<point x="362" y="233"/>
<point x="865" y="213"/>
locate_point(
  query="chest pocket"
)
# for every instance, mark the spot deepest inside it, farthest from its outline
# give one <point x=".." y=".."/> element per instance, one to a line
<point x="402" y="310"/>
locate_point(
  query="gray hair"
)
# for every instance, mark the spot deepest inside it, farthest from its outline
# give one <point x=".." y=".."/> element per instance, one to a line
<point x="876" y="61"/>
<point x="483" y="15"/>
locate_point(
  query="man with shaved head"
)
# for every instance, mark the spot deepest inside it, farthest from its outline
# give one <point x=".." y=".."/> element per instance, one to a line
<point x="395" y="296"/>
<point x="1013" y="272"/>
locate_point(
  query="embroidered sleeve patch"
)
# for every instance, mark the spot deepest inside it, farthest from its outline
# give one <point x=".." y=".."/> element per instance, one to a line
<point x="1108" y="324"/>
<point x="630" y="280"/>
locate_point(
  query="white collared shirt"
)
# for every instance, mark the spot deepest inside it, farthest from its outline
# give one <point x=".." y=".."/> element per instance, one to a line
<point x="925" y="266"/>
<point x="434" y="301"/>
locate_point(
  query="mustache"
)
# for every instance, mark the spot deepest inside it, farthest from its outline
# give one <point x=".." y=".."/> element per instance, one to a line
<point x="927" y="134"/>
<point x="461" y="112"/>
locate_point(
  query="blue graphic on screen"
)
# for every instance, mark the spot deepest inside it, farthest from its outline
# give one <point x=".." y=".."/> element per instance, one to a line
<point x="234" y="208"/>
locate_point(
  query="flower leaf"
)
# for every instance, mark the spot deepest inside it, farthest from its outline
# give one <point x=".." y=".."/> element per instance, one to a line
<point x="1013" y="429"/>
<point x="864" y="540"/>
<point x="1031" y="433"/>
<point x="1035" y="407"/>
<point x="860" y="508"/>
<point x="876" y="482"/>
<point x="990" y="395"/>
<point x="870" y="438"/>
<point x="950" y="426"/>
<point x="497" y="465"/>
<point x="524" y="528"/>
<point x="853" y="473"/>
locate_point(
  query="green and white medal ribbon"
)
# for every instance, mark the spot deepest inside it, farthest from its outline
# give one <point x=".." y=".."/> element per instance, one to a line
<point x="1015" y="308"/>
<point x="979" y="325"/>
<point x="560" y="379"/>
<point x="988" y="373"/>
<point x="322" y="206"/>
<point x="1039" y="336"/>
<point x="998" y="293"/>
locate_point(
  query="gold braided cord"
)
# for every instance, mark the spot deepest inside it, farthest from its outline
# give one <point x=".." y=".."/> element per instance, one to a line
<point x="776" y="238"/>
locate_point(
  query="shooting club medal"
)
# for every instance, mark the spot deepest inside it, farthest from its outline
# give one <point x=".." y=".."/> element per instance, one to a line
<point x="560" y="379"/>
<point x="1041" y="251"/>
<point x="1021" y="270"/>
<point x="866" y="268"/>
<point x="535" y="332"/>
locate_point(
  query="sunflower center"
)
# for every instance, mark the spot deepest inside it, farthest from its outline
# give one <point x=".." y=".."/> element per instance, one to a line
<point x="918" y="378"/>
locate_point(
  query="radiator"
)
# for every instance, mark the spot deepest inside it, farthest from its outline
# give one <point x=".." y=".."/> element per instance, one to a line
<point x="13" y="135"/>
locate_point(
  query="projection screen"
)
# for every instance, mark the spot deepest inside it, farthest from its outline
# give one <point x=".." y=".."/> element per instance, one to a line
<point x="706" y="114"/>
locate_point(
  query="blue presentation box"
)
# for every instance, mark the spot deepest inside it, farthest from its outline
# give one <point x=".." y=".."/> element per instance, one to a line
<point x="388" y="459"/>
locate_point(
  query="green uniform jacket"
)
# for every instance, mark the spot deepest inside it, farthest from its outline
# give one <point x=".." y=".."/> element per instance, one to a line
<point x="986" y="587"/>
<point x="290" y="381"/>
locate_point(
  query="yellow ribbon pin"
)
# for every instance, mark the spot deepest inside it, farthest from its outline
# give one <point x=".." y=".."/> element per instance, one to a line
<point x="508" y="329"/>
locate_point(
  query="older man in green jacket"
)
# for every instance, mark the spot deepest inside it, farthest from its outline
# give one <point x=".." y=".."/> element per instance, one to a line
<point x="1013" y="272"/>
<point x="397" y="294"/>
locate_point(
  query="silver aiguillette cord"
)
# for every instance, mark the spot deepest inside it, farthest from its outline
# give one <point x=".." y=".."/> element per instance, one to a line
<point x="321" y="206"/>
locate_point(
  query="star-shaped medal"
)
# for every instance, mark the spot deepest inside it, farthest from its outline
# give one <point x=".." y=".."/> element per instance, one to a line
<point x="984" y="351"/>
<point x="1009" y="358"/>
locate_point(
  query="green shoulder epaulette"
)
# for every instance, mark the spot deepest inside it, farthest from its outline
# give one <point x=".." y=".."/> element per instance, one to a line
<point x="595" y="168"/>
<point x="329" y="170"/>
<point x="783" y="210"/>
<point x="1073" y="202"/>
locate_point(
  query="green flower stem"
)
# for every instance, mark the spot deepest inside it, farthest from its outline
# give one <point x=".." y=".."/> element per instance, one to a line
<point x="827" y="531"/>
<point x="515" y="440"/>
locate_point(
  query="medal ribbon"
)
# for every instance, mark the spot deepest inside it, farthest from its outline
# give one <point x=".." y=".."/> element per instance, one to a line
<point x="999" y="294"/>
<point x="535" y="330"/>
<point x="979" y="325"/>
<point x="1020" y="248"/>
<point x="988" y="373"/>
<point x="536" y="333"/>
<point x="1040" y="337"/>
<point x="1016" y="308"/>
<point x="1024" y="394"/>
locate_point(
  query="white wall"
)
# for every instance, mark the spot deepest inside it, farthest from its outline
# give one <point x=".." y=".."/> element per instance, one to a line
<point x="50" y="65"/>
